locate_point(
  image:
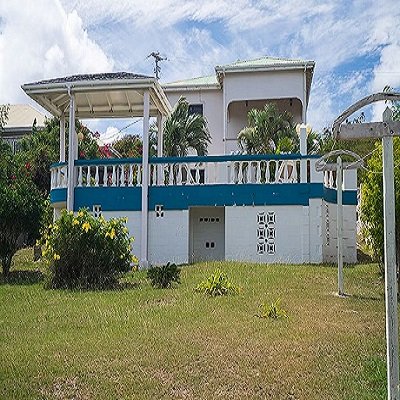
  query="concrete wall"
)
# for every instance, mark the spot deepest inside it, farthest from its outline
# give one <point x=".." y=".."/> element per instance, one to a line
<point x="212" y="110"/>
<point x="241" y="234"/>
<point x="283" y="87"/>
<point x="329" y="221"/>
<point x="168" y="235"/>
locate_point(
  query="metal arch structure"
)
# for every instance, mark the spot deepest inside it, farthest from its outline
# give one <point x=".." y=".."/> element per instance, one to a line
<point x="322" y="165"/>
<point x="384" y="130"/>
<point x="370" y="129"/>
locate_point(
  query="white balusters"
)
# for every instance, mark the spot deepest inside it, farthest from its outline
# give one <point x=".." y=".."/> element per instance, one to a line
<point x="96" y="176"/>
<point x="179" y="177"/>
<point x="80" y="176"/>
<point x="138" y="176"/>
<point x="122" y="176"/>
<point x="154" y="174"/>
<point x="113" y="177"/>
<point x="88" y="176"/>
<point x="130" y="178"/>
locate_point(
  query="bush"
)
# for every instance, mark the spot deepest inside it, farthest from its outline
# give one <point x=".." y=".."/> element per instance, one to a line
<point x="273" y="310"/>
<point x="217" y="284"/>
<point x="163" y="276"/>
<point x="21" y="208"/>
<point x="82" y="251"/>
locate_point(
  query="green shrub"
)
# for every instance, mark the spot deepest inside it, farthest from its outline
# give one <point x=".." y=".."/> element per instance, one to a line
<point x="273" y="310"/>
<point x="82" y="251"/>
<point x="217" y="284"/>
<point x="164" y="275"/>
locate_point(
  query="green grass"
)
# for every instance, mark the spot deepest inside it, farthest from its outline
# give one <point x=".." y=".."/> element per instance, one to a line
<point x="145" y="343"/>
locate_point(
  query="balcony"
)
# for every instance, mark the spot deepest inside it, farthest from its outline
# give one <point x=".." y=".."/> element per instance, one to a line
<point x="179" y="183"/>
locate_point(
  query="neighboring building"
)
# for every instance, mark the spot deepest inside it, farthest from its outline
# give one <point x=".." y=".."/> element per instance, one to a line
<point x="226" y="97"/>
<point x="21" y="118"/>
<point x="261" y="208"/>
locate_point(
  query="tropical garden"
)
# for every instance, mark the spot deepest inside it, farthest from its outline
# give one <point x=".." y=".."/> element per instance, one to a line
<point x="83" y="323"/>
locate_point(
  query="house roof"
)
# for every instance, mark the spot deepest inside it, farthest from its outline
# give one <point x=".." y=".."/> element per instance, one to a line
<point x="22" y="116"/>
<point x="105" y="95"/>
<point x="107" y="76"/>
<point x="264" y="63"/>
<point x="260" y="64"/>
<point x="209" y="81"/>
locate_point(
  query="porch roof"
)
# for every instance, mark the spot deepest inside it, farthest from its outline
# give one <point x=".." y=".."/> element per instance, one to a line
<point x="105" y="95"/>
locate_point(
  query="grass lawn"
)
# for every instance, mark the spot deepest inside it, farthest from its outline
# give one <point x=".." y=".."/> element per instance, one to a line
<point x="143" y="343"/>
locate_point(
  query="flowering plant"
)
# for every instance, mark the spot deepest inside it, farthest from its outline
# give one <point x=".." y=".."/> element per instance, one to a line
<point x="82" y="251"/>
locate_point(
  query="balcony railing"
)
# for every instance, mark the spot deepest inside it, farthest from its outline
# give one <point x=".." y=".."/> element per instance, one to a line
<point x="176" y="171"/>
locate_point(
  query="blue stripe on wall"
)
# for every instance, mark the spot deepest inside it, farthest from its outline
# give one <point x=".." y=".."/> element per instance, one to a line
<point x="349" y="196"/>
<point x="182" y="197"/>
<point x="58" y="195"/>
<point x="110" y="198"/>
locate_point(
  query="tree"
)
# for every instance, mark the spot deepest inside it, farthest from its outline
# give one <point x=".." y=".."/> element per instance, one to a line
<point x="41" y="148"/>
<point x="184" y="131"/>
<point x="131" y="146"/>
<point x="372" y="202"/>
<point x="4" y="108"/>
<point x="268" y="131"/>
<point x="22" y="208"/>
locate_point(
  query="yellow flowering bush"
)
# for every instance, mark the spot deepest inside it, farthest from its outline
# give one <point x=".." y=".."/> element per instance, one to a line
<point x="82" y="251"/>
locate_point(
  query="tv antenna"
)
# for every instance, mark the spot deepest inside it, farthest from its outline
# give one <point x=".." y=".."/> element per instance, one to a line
<point x="157" y="60"/>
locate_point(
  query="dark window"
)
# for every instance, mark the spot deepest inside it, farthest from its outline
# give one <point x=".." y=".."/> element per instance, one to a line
<point x="196" y="109"/>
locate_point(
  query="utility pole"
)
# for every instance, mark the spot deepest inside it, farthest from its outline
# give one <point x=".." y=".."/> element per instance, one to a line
<point x="157" y="60"/>
<point x="384" y="130"/>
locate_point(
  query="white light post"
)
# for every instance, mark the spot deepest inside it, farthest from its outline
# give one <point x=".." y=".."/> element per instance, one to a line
<point x="303" y="131"/>
<point x="322" y="165"/>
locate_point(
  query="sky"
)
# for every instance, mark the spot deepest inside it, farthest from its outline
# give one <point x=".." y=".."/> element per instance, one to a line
<point x="355" y="44"/>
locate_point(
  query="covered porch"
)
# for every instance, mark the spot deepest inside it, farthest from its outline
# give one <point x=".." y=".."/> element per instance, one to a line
<point x="94" y="96"/>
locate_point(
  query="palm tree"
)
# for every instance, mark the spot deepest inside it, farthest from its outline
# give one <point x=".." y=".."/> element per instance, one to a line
<point x="184" y="131"/>
<point x="268" y="131"/>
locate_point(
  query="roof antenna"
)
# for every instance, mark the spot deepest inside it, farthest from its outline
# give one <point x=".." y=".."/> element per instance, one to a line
<point x="157" y="60"/>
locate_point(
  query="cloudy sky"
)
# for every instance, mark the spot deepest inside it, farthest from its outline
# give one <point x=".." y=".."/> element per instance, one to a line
<point x="355" y="44"/>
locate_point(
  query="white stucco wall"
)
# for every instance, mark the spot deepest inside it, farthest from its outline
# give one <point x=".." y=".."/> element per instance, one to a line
<point x="212" y="110"/>
<point x="241" y="234"/>
<point x="169" y="237"/>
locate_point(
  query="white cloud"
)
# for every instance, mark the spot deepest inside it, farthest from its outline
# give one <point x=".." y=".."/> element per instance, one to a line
<point x="65" y="36"/>
<point x="39" y="40"/>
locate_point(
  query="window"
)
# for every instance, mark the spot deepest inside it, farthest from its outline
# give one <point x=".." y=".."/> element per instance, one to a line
<point x="195" y="109"/>
<point x="159" y="209"/>
<point x="97" y="210"/>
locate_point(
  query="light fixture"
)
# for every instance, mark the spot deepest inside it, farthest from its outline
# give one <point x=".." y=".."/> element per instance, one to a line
<point x="308" y="128"/>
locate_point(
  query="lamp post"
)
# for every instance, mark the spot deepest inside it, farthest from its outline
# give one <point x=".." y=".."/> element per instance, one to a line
<point x="303" y="131"/>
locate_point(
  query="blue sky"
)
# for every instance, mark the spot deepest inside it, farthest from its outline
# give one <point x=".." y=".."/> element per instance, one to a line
<point x="355" y="44"/>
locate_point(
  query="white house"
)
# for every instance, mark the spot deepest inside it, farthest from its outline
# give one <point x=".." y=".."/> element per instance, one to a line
<point x="20" y="120"/>
<point x="263" y="208"/>
<point x="226" y="97"/>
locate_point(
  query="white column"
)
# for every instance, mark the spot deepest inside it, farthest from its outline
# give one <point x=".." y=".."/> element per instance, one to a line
<point x="160" y="146"/>
<point x="71" y="153"/>
<point x="392" y="336"/>
<point x="144" y="263"/>
<point x="62" y="138"/>
<point x="303" y="152"/>
<point x="339" y="223"/>
<point x="160" y="135"/>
